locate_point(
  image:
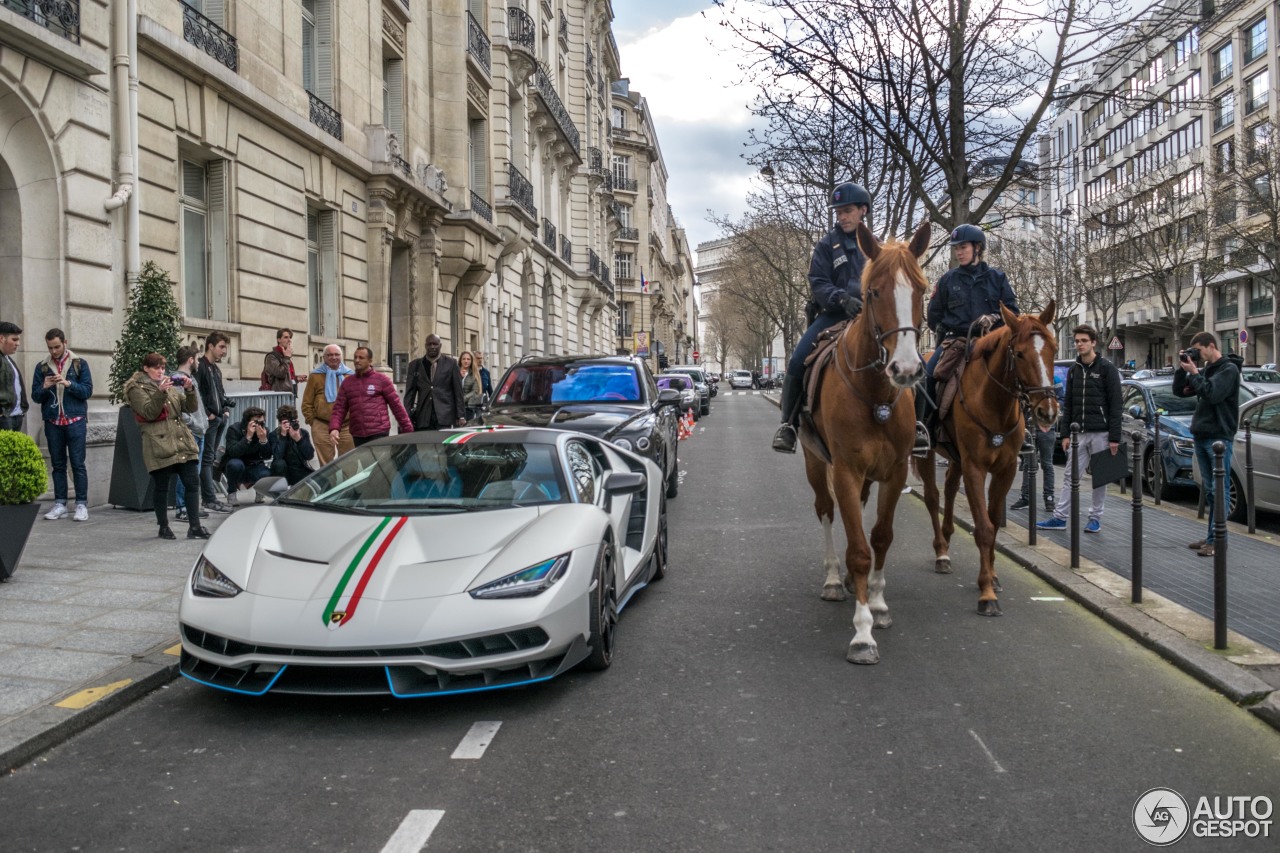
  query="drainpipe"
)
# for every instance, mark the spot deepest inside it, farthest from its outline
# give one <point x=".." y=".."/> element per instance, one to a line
<point x="125" y="71"/>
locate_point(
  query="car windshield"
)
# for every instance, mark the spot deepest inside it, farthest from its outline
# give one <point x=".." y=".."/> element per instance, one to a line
<point x="1167" y="403"/>
<point x="457" y="474"/>
<point x="582" y="382"/>
<point x="1261" y="376"/>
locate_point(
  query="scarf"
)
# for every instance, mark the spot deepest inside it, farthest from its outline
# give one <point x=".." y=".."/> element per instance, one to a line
<point x="332" y="379"/>
<point x="58" y="390"/>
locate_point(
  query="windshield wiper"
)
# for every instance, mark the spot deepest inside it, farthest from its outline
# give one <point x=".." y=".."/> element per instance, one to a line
<point x="325" y="507"/>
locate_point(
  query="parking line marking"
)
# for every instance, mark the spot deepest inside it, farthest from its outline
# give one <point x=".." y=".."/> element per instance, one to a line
<point x="175" y="650"/>
<point x="85" y="698"/>
<point x="414" y="831"/>
<point x="999" y="769"/>
<point x="477" y="740"/>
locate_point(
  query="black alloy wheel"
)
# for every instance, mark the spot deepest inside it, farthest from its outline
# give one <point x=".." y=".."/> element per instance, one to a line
<point x="1237" y="507"/>
<point x="660" y="544"/>
<point x="604" y="611"/>
<point x="1149" y="477"/>
<point x="673" y="479"/>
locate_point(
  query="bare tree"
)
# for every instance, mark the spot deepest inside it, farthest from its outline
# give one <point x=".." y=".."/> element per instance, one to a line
<point x="1047" y="264"/>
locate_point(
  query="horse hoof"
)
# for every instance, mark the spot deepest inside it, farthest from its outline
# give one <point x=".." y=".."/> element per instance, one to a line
<point x="833" y="592"/>
<point x="989" y="608"/>
<point x="942" y="565"/>
<point x="864" y="653"/>
<point x="881" y="620"/>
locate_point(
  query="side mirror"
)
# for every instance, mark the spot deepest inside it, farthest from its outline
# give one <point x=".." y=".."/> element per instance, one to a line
<point x="668" y="397"/>
<point x="271" y="487"/>
<point x="624" y="483"/>
<point x="1136" y="413"/>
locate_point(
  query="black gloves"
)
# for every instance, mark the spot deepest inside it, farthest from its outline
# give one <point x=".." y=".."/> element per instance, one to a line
<point x="851" y="304"/>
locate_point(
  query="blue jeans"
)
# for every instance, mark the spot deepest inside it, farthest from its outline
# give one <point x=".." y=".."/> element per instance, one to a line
<point x="1045" y="442"/>
<point x="181" y="500"/>
<point x="1204" y="458"/>
<point x="67" y="442"/>
<point x="809" y="340"/>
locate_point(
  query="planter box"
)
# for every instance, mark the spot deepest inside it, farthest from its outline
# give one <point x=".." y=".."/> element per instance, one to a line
<point x="130" y="482"/>
<point x="15" y="527"/>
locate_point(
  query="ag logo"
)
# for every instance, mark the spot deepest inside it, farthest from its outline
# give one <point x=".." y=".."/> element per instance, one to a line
<point x="1161" y="816"/>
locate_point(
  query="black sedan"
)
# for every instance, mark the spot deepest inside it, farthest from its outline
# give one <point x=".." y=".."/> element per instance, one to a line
<point x="613" y="397"/>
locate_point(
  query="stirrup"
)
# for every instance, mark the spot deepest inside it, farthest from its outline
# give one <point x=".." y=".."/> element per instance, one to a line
<point x="784" y="440"/>
<point x="922" y="444"/>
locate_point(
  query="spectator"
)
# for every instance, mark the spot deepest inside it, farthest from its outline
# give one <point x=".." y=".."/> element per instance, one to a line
<point x="367" y="395"/>
<point x="1044" y="442"/>
<point x="277" y="366"/>
<point x="13" y="394"/>
<point x="61" y="387"/>
<point x="218" y="407"/>
<point x="197" y="422"/>
<point x="472" y="386"/>
<point x="168" y="447"/>
<point x="486" y="382"/>
<point x="247" y="458"/>
<point x="434" y="390"/>
<point x="291" y="448"/>
<point x="1217" y="414"/>
<point x="317" y="403"/>
<point x="1091" y="399"/>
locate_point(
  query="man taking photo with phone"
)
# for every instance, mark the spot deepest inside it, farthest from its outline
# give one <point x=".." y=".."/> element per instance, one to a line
<point x="1216" y="387"/>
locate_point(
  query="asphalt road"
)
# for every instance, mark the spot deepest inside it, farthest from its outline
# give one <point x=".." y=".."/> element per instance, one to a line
<point x="730" y="721"/>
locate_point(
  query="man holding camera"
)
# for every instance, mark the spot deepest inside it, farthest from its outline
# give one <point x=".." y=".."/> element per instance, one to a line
<point x="1216" y="388"/>
<point x="291" y="447"/>
<point x="249" y="453"/>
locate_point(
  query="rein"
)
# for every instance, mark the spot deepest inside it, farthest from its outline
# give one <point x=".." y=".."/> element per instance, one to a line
<point x="880" y="411"/>
<point x="1019" y="393"/>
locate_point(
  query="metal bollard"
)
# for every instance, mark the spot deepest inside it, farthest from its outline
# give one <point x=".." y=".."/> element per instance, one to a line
<point x="1219" y="548"/>
<point x="1248" y="477"/>
<point x="1136" y="547"/>
<point x="1034" y="461"/>
<point x="1075" y="496"/>
<point x="1157" y="463"/>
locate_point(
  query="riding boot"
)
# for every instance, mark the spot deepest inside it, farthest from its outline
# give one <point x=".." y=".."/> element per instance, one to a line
<point x="784" y="440"/>
<point x="922" y="443"/>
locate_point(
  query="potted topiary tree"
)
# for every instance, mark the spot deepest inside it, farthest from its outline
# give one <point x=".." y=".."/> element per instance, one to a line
<point x="22" y="480"/>
<point x="152" y="323"/>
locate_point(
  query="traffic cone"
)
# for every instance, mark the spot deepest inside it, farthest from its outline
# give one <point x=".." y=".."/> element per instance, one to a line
<point x="683" y="428"/>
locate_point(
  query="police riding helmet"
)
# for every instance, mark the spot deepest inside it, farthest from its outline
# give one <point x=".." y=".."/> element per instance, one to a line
<point x="969" y="234"/>
<point x="848" y="193"/>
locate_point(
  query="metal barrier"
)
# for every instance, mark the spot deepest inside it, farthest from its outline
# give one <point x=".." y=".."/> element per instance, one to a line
<point x="269" y="401"/>
<point x="1248" y="478"/>
<point x="1157" y="463"/>
<point x="1033" y="463"/>
<point x="1219" y="548"/>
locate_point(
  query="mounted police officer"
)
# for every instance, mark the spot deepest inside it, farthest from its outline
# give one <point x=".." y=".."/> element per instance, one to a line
<point x="968" y="295"/>
<point x="835" y="283"/>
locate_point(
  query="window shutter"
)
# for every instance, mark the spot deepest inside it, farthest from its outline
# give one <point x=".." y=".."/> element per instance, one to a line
<point x="395" y="101"/>
<point x="193" y="180"/>
<point x="219" y="284"/>
<point x="480" y="157"/>
<point x="329" y="273"/>
<point x="324" y="52"/>
<point x="215" y="10"/>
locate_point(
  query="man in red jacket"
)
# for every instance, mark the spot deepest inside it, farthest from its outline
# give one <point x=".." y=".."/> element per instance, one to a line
<point x="367" y="395"/>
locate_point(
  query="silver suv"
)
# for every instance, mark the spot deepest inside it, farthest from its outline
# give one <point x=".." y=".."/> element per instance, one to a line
<point x="699" y="382"/>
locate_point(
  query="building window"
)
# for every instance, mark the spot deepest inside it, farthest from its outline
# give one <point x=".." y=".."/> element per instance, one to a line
<point x="478" y="156"/>
<point x="624" y="215"/>
<point x="1223" y="155"/>
<point x="1224" y="111"/>
<point x="322" y="273"/>
<point x="1257" y="91"/>
<point x="621" y="167"/>
<point x="1259" y="194"/>
<point x="203" y="239"/>
<point x="317" y="48"/>
<point x="1255" y="40"/>
<point x="1258" y="140"/>
<point x="623" y="264"/>
<point x="393" y="96"/>
<point x="1220" y="63"/>
<point x="618" y="118"/>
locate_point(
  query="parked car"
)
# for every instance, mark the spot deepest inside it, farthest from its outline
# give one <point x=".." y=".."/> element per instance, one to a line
<point x="1260" y="380"/>
<point x="426" y="564"/>
<point x="700" y="384"/>
<point x="740" y="379"/>
<point x="611" y="396"/>
<point x="684" y="384"/>
<point x="1141" y="400"/>
<point x="1263" y="416"/>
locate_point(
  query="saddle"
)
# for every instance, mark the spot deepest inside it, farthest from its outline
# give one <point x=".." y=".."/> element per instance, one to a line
<point x="814" y="367"/>
<point x="946" y="377"/>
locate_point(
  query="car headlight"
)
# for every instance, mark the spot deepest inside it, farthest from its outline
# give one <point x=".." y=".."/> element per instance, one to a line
<point x="526" y="582"/>
<point x="208" y="582"/>
<point x="642" y="443"/>
<point x="625" y="444"/>
<point x="1183" y="445"/>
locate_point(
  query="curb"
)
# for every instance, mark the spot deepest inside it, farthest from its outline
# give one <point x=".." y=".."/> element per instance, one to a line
<point x="48" y="726"/>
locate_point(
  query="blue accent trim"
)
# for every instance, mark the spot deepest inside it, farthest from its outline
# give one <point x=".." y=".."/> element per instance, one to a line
<point x="630" y="594"/>
<point x="392" y="687"/>
<point x="279" y="673"/>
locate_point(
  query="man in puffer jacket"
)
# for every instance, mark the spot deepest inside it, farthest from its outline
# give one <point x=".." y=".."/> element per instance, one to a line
<point x="367" y="395"/>
<point x="1217" y="392"/>
<point x="247" y="458"/>
<point x="1092" y="399"/>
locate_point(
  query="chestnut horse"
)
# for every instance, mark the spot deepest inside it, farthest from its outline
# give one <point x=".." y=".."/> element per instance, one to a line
<point x="1009" y="368"/>
<point x="865" y="417"/>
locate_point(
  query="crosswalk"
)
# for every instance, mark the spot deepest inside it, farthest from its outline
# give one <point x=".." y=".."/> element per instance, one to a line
<point x="720" y="394"/>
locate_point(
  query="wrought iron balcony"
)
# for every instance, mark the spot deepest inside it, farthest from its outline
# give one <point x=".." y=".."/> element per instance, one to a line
<point x="547" y="91"/>
<point x="628" y="233"/>
<point x="56" y="16"/>
<point x="521" y="191"/>
<point x="1227" y="311"/>
<point x="478" y="43"/>
<point x="608" y="182"/>
<point x="548" y="233"/>
<point x="593" y="262"/>
<point x="564" y="30"/>
<point x="626" y="184"/>
<point x="566" y="250"/>
<point x="591" y="64"/>
<point x="1261" y="305"/>
<point x="605" y="276"/>
<point x="521" y="30"/>
<point x="595" y="162"/>
<point x="325" y="117"/>
<point x="481" y="207"/>
<point x="402" y="166"/>
<point x="211" y="38"/>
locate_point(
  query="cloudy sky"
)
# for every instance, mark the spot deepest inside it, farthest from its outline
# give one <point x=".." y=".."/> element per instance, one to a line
<point x="697" y="106"/>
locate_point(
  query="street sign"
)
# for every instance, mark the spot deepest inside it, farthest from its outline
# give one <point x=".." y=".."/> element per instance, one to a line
<point x="1116" y="343"/>
<point x="696" y="354"/>
<point x="1244" y="336"/>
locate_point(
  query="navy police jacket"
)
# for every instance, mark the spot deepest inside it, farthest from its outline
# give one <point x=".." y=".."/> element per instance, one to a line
<point x="964" y="294"/>
<point x="836" y="269"/>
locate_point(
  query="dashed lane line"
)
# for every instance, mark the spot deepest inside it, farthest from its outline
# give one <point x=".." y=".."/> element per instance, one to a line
<point x="988" y="752"/>
<point x="414" y="831"/>
<point x="477" y="740"/>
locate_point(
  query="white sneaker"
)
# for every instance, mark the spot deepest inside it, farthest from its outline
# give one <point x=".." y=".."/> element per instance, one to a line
<point x="58" y="511"/>
<point x="82" y="513"/>
<point x="233" y="500"/>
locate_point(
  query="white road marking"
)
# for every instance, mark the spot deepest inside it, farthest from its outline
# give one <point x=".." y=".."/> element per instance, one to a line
<point x="477" y="740"/>
<point x="1047" y="598"/>
<point x="999" y="769"/>
<point x="414" y="831"/>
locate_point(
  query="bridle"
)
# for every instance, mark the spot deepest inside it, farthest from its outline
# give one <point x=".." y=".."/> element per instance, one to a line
<point x="1015" y="389"/>
<point x="880" y="411"/>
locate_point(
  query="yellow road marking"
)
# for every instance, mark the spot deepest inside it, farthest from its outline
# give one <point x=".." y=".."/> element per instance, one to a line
<point x="174" y="650"/>
<point x="85" y="698"/>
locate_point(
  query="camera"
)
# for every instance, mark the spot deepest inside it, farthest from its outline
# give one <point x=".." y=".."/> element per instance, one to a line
<point x="1190" y="354"/>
